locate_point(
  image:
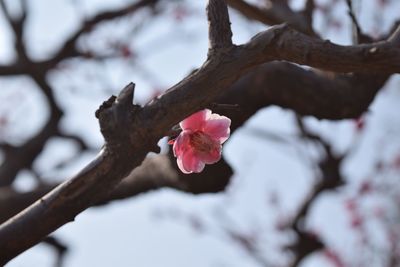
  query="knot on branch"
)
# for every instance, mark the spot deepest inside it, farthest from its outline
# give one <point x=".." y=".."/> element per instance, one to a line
<point x="117" y="120"/>
<point x="266" y="38"/>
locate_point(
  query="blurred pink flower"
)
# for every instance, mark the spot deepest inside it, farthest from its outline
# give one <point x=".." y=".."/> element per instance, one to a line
<point x="334" y="258"/>
<point x="200" y="141"/>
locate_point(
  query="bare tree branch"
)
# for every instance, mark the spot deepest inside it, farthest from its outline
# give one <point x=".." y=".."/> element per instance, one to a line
<point x="131" y="131"/>
<point x="17" y="158"/>
<point x="308" y="11"/>
<point x="330" y="179"/>
<point x="20" y="157"/>
<point x="17" y="26"/>
<point x="59" y="248"/>
<point x="78" y="140"/>
<point x="283" y="43"/>
<point x="69" y="48"/>
<point x="306" y="92"/>
<point x="357" y="33"/>
<point x="13" y="69"/>
<point x="219" y="34"/>
<point x="155" y="172"/>
<point x="275" y="13"/>
<point x="24" y="65"/>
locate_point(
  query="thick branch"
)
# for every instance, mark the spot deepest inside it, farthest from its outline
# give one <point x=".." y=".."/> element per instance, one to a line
<point x="283" y="43"/>
<point x="282" y="84"/>
<point x="304" y="91"/>
<point x="155" y="172"/>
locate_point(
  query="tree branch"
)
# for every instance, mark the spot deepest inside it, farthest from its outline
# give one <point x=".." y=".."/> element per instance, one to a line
<point x="17" y="26"/>
<point x="131" y="131"/>
<point x="308" y="11"/>
<point x="155" y="172"/>
<point x="20" y="157"/>
<point x="219" y="30"/>
<point x="282" y="84"/>
<point x="357" y="33"/>
<point x="275" y="13"/>
<point x="69" y="49"/>
<point x="59" y="248"/>
<point x="308" y="92"/>
<point x="331" y="178"/>
<point x="284" y="43"/>
<point x="12" y="69"/>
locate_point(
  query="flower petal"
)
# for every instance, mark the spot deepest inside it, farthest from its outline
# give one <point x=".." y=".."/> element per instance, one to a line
<point x="182" y="142"/>
<point x="191" y="161"/>
<point x="211" y="157"/>
<point x="217" y="127"/>
<point x="195" y="121"/>
<point x="180" y="166"/>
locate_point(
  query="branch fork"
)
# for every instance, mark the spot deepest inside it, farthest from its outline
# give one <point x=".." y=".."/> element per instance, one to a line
<point x="116" y="118"/>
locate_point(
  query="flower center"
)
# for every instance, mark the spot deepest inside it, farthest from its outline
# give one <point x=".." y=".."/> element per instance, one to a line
<point x="202" y="142"/>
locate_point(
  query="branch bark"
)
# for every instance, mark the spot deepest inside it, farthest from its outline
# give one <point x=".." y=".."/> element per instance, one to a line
<point x="284" y="43"/>
<point x="220" y="34"/>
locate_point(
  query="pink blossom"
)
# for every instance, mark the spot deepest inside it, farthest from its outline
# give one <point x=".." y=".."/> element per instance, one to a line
<point x="365" y="188"/>
<point x="200" y="141"/>
<point x="359" y="124"/>
<point x="334" y="258"/>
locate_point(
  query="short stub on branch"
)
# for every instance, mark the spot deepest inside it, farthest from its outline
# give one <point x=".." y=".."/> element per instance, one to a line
<point x="115" y="115"/>
<point x="219" y="30"/>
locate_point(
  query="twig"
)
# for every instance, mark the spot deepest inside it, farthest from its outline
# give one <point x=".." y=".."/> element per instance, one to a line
<point x="78" y="140"/>
<point x="357" y="33"/>
<point x="69" y="49"/>
<point x="60" y="248"/>
<point x="308" y="11"/>
<point x="275" y="14"/>
<point x="17" y="26"/>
